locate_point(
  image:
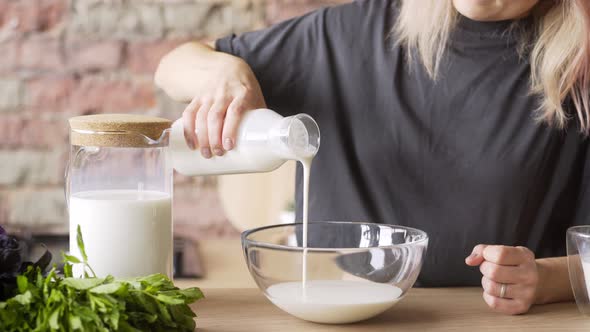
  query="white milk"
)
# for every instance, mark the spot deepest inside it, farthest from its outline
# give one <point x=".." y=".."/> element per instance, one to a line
<point x="127" y="233"/>
<point x="306" y="163"/>
<point x="334" y="301"/>
<point x="586" y="268"/>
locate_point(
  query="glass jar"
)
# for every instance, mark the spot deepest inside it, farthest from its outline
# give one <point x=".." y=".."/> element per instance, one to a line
<point x="119" y="191"/>
<point x="578" y="260"/>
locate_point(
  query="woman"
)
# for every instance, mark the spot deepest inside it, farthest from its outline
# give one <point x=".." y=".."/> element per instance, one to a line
<point x="466" y="119"/>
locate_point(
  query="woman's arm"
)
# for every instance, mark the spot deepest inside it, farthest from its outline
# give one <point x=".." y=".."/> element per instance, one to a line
<point x="189" y="69"/>
<point x="554" y="283"/>
<point x="219" y="87"/>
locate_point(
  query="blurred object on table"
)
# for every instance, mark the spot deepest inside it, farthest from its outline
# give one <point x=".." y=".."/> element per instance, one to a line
<point x="187" y="261"/>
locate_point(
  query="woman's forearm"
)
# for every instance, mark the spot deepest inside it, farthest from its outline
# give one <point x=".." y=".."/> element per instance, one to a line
<point x="189" y="70"/>
<point x="554" y="282"/>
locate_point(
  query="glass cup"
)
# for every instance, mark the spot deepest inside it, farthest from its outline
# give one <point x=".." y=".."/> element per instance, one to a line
<point x="578" y="259"/>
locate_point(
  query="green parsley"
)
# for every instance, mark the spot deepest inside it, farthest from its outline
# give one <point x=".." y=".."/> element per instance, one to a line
<point x="56" y="303"/>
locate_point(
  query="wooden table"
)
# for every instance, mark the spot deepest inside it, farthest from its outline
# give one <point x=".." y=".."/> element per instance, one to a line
<point x="450" y="309"/>
<point x="232" y="304"/>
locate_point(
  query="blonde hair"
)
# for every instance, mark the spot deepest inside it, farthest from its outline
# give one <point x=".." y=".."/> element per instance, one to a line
<point x="559" y="53"/>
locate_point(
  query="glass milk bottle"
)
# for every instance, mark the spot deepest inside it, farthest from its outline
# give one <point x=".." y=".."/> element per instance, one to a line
<point x="119" y="190"/>
<point x="264" y="142"/>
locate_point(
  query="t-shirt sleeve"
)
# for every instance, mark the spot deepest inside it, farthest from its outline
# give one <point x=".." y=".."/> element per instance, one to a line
<point x="281" y="57"/>
<point x="284" y="56"/>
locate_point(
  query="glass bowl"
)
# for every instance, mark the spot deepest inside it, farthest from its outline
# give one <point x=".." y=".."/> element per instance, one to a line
<point x="578" y="261"/>
<point x="350" y="271"/>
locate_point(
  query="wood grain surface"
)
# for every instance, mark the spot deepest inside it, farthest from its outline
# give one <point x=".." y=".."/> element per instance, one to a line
<point x="438" y="309"/>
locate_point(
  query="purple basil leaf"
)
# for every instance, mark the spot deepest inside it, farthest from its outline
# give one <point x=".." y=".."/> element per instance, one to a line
<point x="10" y="254"/>
<point x="2" y="231"/>
<point x="8" y="242"/>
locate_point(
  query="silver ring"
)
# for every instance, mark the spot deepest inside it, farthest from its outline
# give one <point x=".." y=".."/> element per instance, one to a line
<point x="503" y="290"/>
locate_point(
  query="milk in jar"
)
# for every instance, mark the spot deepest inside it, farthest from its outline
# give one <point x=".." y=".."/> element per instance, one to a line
<point x="127" y="233"/>
<point x="119" y="191"/>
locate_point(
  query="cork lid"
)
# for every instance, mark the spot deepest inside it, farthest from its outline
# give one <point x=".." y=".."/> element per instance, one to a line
<point x="118" y="130"/>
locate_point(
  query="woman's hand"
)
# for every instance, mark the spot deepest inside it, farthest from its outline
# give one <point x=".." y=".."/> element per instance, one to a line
<point x="212" y="118"/>
<point x="220" y="88"/>
<point x="514" y="267"/>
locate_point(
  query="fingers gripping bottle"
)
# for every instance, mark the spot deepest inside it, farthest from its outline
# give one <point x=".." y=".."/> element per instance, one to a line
<point x="265" y="141"/>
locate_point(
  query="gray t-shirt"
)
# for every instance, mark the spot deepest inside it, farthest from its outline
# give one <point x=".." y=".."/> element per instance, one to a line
<point x="461" y="158"/>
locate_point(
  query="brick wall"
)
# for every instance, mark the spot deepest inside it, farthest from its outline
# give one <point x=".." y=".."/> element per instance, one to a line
<point x="61" y="58"/>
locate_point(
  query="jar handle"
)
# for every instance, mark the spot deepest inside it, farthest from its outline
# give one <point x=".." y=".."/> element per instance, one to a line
<point x="67" y="184"/>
